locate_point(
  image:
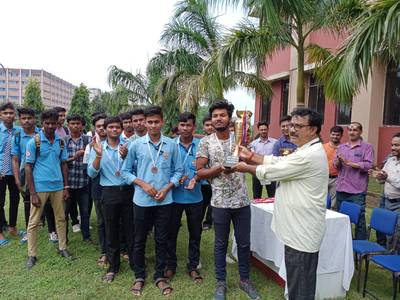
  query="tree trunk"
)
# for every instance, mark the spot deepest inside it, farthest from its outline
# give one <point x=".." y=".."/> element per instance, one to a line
<point x="300" y="67"/>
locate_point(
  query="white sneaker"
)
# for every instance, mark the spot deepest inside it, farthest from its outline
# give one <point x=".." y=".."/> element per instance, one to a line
<point x="199" y="265"/>
<point x="76" y="228"/>
<point x="229" y="260"/>
<point x="24" y="239"/>
<point x="53" y="238"/>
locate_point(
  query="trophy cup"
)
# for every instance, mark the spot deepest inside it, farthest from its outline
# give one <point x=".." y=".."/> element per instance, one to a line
<point x="242" y="133"/>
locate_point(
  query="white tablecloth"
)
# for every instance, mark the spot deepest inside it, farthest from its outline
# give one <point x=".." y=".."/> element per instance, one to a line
<point x="335" y="256"/>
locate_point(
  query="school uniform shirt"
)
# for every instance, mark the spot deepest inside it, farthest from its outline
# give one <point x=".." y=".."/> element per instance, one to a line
<point x="125" y="140"/>
<point x="5" y="149"/>
<point x="19" y="144"/>
<point x="110" y="165"/>
<point x="187" y="158"/>
<point x="139" y="163"/>
<point x="47" y="175"/>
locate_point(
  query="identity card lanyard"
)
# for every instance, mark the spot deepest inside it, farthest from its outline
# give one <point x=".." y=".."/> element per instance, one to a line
<point x="118" y="166"/>
<point x="154" y="168"/>
<point x="187" y="154"/>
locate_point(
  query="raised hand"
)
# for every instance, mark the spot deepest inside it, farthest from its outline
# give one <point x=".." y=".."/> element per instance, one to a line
<point x="123" y="151"/>
<point x="97" y="146"/>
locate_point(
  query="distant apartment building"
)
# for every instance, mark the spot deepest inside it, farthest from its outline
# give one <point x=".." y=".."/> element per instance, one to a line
<point x="55" y="91"/>
<point x="93" y="93"/>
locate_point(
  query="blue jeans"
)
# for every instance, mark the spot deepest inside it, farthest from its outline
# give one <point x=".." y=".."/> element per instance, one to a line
<point x="81" y="196"/>
<point x="361" y="228"/>
<point x="392" y="205"/>
<point x="240" y="218"/>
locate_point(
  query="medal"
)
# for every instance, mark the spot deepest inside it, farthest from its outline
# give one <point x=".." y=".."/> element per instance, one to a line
<point x="116" y="165"/>
<point x="117" y="173"/>
<point x="154" y="170"/>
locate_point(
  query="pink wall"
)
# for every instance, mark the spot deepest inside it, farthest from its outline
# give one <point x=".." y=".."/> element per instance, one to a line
<point x="277" y="63"/>
<point x="326" y="39"/>
<point x="384" y="143"/>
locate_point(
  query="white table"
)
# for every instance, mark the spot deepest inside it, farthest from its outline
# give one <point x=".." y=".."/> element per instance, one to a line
<point x="335" y="264"/>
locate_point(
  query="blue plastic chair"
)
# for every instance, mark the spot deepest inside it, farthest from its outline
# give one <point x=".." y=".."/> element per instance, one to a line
<point x="328" y="202"/>
<point x="388" y="262"/>
<point x="382" y="220"/>
<point x="353" y="210"/>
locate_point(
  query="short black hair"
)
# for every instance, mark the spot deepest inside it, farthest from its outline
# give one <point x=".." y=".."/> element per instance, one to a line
<point x="97" y="113"/>
<point x="222" y="104"/>
<point x="285" y="119"/>
<point x="49" y="114"/>
<point x="97" y="117"/>
<point x="186" y="116"/>
<point x="136" y="112"/>
<point x="7" y="105"/>
<point x="59" y="109"/>
<point x="75" y="117"/>
<point x="358" y="124"/>
<point x="125" y="116"/>
<point x="152" y="111"/>
<point x="314" y="117"/>
<point x="337" y="129"/>
<point x="206" y="118"/>
<point x="175" y="129"/>
<point x="111" y="120"/>
<point x="25" y="111"/>
<point x="262" y="123"/>
<point x="396" y="135"/>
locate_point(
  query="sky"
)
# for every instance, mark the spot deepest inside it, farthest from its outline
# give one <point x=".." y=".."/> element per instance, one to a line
<point x="79" y="40"/>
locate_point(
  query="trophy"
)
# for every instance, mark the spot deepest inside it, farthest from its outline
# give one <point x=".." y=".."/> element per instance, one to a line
<point x="242" y="134"/>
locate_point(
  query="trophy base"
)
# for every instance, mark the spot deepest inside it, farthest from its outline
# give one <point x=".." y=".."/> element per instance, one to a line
<point x="230" y="161"/>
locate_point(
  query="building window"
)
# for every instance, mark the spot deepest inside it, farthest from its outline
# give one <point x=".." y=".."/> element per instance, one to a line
<point x="391" y="114"/>
<point x="316" y="97"/>
<point x="285" y="98"/>
<point x="343" y="114"/>
<point x="265" y="110"/>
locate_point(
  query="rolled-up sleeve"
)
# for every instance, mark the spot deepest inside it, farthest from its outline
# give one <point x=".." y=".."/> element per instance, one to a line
<point x="92" y="172"/>
<point x="128" y="166"/>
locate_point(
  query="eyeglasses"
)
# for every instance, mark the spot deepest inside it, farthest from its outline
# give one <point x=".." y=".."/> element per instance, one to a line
<point x="297" y="127"/>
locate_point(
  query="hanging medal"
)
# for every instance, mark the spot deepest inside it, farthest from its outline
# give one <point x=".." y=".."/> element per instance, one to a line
<point x="154" y="168"/>
<point x="118" y="166"/>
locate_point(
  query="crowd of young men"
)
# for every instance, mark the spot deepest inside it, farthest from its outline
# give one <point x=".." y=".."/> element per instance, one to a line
<point x="142" y="181"/>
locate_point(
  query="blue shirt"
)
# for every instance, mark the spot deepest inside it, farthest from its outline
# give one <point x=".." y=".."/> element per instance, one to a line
<point x="126" y="140"/>
<point x="281" y="143"/>
<point x="3" y="141"/>
<point x="188" y="162"/>
<point x="138" y="164"/>
<point x="110" y="163"/>
<point x="47" y="174"/>
<point x="18" y="146"/>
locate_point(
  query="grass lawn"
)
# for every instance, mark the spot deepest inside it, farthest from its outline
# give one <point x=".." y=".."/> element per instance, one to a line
<point x="57" y="278"/>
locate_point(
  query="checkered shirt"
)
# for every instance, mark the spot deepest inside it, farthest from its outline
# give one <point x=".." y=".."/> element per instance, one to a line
<point x="77" y="174"/>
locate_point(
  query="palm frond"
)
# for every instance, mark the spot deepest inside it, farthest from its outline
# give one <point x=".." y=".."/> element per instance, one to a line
<point x="252" y="82"/>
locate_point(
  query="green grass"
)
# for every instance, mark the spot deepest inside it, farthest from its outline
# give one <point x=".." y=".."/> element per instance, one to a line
<point x="57" y="278"/>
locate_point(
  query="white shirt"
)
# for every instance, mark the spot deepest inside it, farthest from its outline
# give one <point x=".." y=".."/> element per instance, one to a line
<point x="392" y="183"/>
<point x="300" y="199"/>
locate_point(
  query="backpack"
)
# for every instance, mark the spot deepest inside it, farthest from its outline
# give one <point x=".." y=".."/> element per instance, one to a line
<point x="38" y="142"/>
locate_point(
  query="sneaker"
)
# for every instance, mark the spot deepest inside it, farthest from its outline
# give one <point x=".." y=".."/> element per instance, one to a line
<point x="31" y="262"/>
<point x="24" y="239"/>
<point x="220" y="291"/>
<point x="76" y="228"/>
<point x="53" y="238"/>
<point x="229" y="260"/>
<point x="249" y="289"/>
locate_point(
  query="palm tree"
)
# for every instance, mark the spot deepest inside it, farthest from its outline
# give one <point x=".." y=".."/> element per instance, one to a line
<point x="374" y="37"/>
<point x="282" y="23"/>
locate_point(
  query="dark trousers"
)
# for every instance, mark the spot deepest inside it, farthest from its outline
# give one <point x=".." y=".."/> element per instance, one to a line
<point x="80" y="197"/>
<point x="48" y="213"/>
<point x="117" y="204"/>
<point x="301" y="273"/>
<point x="207" y="210"/>
<point x="27" y="206"/>
<point x="160" y="216"/>
<point x="361" y="228"/>
<point x="194" y="217"/>
<point x="257" y="188"/>
<point x="8" y="181"/>
<point x="71" y="209"/>
<point x="101" y="228"/>
<point x="240" y="218"/>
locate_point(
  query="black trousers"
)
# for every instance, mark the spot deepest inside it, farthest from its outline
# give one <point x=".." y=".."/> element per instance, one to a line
<point x="101" y="228"/>
<point x="117" y="204"/>
<point x="8" y="181"/>
<point x="27" y="206"/>
<point x="144" y="216"/>
<point x="207" y="210"/>
<point x="194" y="217"/>
<point x="48" y="213"/>
<point x="257" y="188"/>
<point x="301" y="273"/>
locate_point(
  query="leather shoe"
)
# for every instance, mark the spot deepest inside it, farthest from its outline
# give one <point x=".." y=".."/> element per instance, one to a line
<point x="31" y="262"/>
<point x="65" y="253"/>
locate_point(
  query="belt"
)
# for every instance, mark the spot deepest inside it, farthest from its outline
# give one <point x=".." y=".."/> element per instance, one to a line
<point x="118" y="188"/>
<point x="330" y="176"/>
<point x="394" y="200"/>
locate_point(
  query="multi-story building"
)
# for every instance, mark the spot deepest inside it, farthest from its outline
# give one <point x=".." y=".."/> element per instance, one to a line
<point x="54" y="90"/>
<point x="376" y="107"/>
<point x="93" y="93"/>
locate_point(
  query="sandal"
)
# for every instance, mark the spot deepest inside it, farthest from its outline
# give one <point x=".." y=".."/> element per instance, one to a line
<point x="164" y="286"/>
<point x="4" y="243"/>
<point x="169" y="273"/>
<point x="195" y="276"/>
<point x="109" y="277"/>
<point x="137" y="291"/>
<point x="102" y="261"/>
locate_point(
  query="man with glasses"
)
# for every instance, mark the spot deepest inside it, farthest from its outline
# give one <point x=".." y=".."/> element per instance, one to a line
<point x="353" y="160"/>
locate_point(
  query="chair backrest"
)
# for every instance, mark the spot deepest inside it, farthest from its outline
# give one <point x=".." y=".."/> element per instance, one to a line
<point x="384" y="221"/>
<point x="352" y="210"/>
<point x="328" y="201"/>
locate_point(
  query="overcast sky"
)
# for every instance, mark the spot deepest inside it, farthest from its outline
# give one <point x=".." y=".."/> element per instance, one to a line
<point x="78" y="40"/>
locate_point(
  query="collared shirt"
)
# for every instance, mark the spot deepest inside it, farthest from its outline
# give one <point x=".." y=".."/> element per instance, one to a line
<point x="126" y="140"/>
<point x="4" y="136"/>
<point x="282" y="143"/>
<point x="263" y="147"/>
<point x="228" y="190"/>
<point x="111" y="162"/>
<point x="77" y="173"/>
<point x="139" y="162"/>
<point x="188" y="161"/>
<point x="47" y="175"/>
<point x="331" y="154"/>
<point x="392" y="182"/>
<point x="18" y="148"/>
<point x="351" y="180"/>
<point x="300" y="199"/>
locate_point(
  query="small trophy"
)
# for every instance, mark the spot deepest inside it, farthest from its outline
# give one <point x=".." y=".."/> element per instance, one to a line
<point x="242" y="133"/>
